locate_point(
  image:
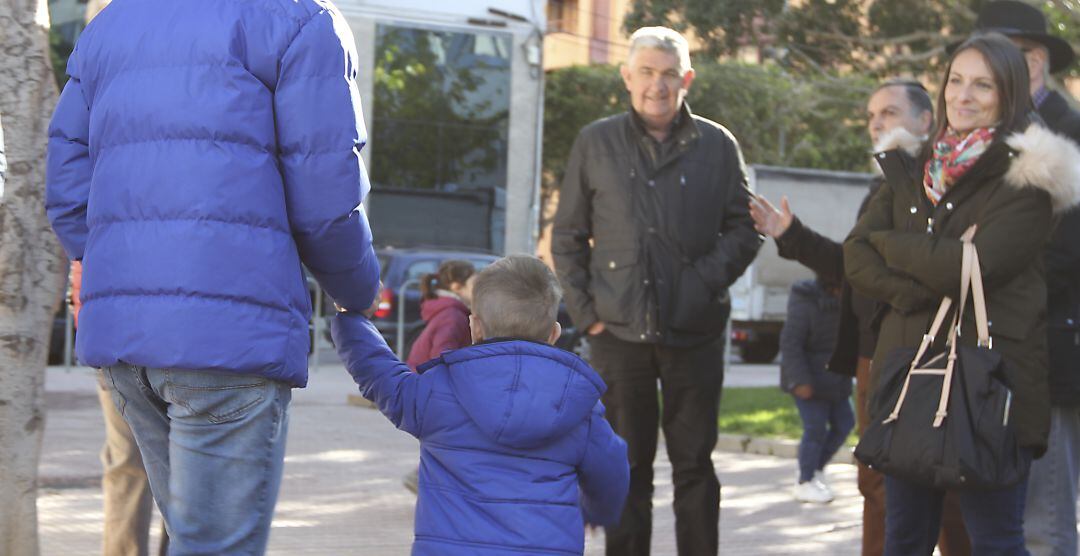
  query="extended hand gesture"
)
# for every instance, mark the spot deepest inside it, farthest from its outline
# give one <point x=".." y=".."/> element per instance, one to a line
<point x="767" y="219"/>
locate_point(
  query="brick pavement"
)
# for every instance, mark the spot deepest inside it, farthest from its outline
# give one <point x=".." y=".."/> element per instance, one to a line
<point x="342" y="493"/>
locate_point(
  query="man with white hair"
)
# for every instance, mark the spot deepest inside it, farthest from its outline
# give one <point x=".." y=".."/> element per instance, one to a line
<point x="653" y="226"/>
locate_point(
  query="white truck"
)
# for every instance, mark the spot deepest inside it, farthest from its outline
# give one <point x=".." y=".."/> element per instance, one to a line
<point x="827" y="202"/>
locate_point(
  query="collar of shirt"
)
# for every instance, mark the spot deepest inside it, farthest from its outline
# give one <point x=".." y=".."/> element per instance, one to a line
<point x="676" y="124"/>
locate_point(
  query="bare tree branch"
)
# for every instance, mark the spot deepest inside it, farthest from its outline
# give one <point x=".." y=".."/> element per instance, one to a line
<point x="918" y="36"/>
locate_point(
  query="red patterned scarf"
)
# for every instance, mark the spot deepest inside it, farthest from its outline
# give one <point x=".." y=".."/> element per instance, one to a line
<point x="954" y="154"/>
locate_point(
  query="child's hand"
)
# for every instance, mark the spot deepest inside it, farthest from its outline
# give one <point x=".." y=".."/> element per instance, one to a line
<point x="370" y="312"/>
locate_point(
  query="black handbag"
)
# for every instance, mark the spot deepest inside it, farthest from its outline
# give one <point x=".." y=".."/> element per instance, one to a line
<point x="943" y="420"/>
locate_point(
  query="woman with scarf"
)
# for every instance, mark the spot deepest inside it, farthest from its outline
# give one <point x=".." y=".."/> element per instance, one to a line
<point x="991" y="163"/>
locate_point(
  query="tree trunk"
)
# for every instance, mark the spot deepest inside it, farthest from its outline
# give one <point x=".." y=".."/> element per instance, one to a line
<point x="32" y="268"/>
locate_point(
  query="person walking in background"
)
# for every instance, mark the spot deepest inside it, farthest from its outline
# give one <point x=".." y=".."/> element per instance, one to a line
<point x="197" y="156"/>
<point x="823" y="398"/>
<point x="125" y="490"/>
<point x="1050" y="517"/>
<point x="900" y="110"/>
<point x="990" y="163"/>
<point x="652" y="228"/>
<point x="445" y="299"/>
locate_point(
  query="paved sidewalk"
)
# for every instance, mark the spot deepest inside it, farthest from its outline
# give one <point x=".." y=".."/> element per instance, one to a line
<point x="342" y="492"/>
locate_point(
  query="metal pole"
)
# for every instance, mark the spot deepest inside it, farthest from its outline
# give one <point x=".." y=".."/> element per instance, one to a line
<point x="401" y="317"/>
<point x="727" y="345"/>
<point x="69" y="336"/>
<point x="318" y="327"/>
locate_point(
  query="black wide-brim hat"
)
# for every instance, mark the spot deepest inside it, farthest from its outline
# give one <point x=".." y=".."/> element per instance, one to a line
<point x="1013" y="18"/>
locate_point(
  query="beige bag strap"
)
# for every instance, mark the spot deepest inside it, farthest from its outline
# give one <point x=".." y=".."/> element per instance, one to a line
<point x="927" y="341"/>
<point x="967" y="267"/>
<point x="970" y="276"/>
<point x="982" y="320"/>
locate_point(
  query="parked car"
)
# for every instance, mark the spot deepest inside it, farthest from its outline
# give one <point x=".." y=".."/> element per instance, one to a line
<point x="406" y="267"/>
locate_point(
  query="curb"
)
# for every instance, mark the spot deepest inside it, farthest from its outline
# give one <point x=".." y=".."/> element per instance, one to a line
<point x="779" y="447"/>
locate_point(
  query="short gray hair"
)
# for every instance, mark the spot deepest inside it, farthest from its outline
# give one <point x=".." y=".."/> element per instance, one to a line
<point x="517" y="297"/>
<point x="663" y="39"/>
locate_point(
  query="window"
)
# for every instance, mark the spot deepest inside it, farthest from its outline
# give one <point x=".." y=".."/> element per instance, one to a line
<point x="418" y="269"/>
<point x="562" y="16"/>
<point x="441" y="109"/>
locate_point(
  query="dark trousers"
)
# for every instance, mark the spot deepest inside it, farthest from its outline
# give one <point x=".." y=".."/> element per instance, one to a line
<point x="994" y="519"/>
<point x="690" y="380"/>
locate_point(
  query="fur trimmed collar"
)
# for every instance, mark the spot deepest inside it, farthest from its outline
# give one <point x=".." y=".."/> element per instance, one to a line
<point x="900" y="138"/>
<point x="1048" y="161"/>
<point x="1040" y="159"/>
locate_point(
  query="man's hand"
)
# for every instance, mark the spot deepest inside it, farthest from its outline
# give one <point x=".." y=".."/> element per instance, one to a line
<point x="767" y="219"/>
<point x="596" y="328"/>
<point x="803" y="391"/>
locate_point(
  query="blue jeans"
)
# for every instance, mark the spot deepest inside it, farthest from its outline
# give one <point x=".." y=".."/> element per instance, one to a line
<point x="994" y="519"/>
<point x="826" y="425"/>
<point x="1050" y="517"/>
<point x="213" y="445"/>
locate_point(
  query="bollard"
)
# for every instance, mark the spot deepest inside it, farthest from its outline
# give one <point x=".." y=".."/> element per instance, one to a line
<point x="317" y="326"/>
<point x="69" y="336"/>
<point x="401" y="317"/>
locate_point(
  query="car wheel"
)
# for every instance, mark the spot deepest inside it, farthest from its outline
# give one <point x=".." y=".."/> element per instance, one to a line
<point x="761" y="351"/>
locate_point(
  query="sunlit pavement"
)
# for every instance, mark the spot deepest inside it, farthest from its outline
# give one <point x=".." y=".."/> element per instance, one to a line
<point x="342" y="490"/>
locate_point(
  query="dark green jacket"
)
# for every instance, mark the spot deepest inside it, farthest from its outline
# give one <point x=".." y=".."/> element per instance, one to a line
<point x="906" y="253"/>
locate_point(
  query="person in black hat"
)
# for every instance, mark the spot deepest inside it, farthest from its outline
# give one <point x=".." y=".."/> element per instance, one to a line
<point x="1050" y="515"/>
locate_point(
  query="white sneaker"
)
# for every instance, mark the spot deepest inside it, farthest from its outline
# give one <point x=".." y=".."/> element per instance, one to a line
<point x="814" y="492"/>
<point x="820" y="477"/>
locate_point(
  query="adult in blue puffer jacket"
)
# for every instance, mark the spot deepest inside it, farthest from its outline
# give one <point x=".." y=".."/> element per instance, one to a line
<point x="200" y="152"/>
<point x="515" y="454"/>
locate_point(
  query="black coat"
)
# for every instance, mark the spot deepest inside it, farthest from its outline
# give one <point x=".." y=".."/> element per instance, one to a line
<point x="855" y="336"/>
<point x="648" y="237"/>
<point x="1063" y="274"/>
<point x="807" y="341"/>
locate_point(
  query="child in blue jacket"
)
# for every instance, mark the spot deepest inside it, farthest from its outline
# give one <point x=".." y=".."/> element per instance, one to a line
<point x="515" y="454"/>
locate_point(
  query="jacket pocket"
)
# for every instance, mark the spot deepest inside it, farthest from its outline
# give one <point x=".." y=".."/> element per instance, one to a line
<point x="613" y="282"/>
<point x="696" y="308"/>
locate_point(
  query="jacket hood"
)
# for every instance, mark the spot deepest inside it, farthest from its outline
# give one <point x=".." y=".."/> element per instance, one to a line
<point x="814" y="292"/>
<point x="1047" y="161"/>
<point x="431" y="307"/>
<point x="808" y="288"/>
<point x="522" y="394"/>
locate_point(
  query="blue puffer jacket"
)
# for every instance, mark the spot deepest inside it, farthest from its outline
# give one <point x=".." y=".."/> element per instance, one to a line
<point x="199" y="153"/>
<point x="515" y="454"/>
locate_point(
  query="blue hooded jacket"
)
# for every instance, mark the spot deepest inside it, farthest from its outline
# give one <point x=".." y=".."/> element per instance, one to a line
<point x="515" y="453"/>
<point x="200" y="152"/>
